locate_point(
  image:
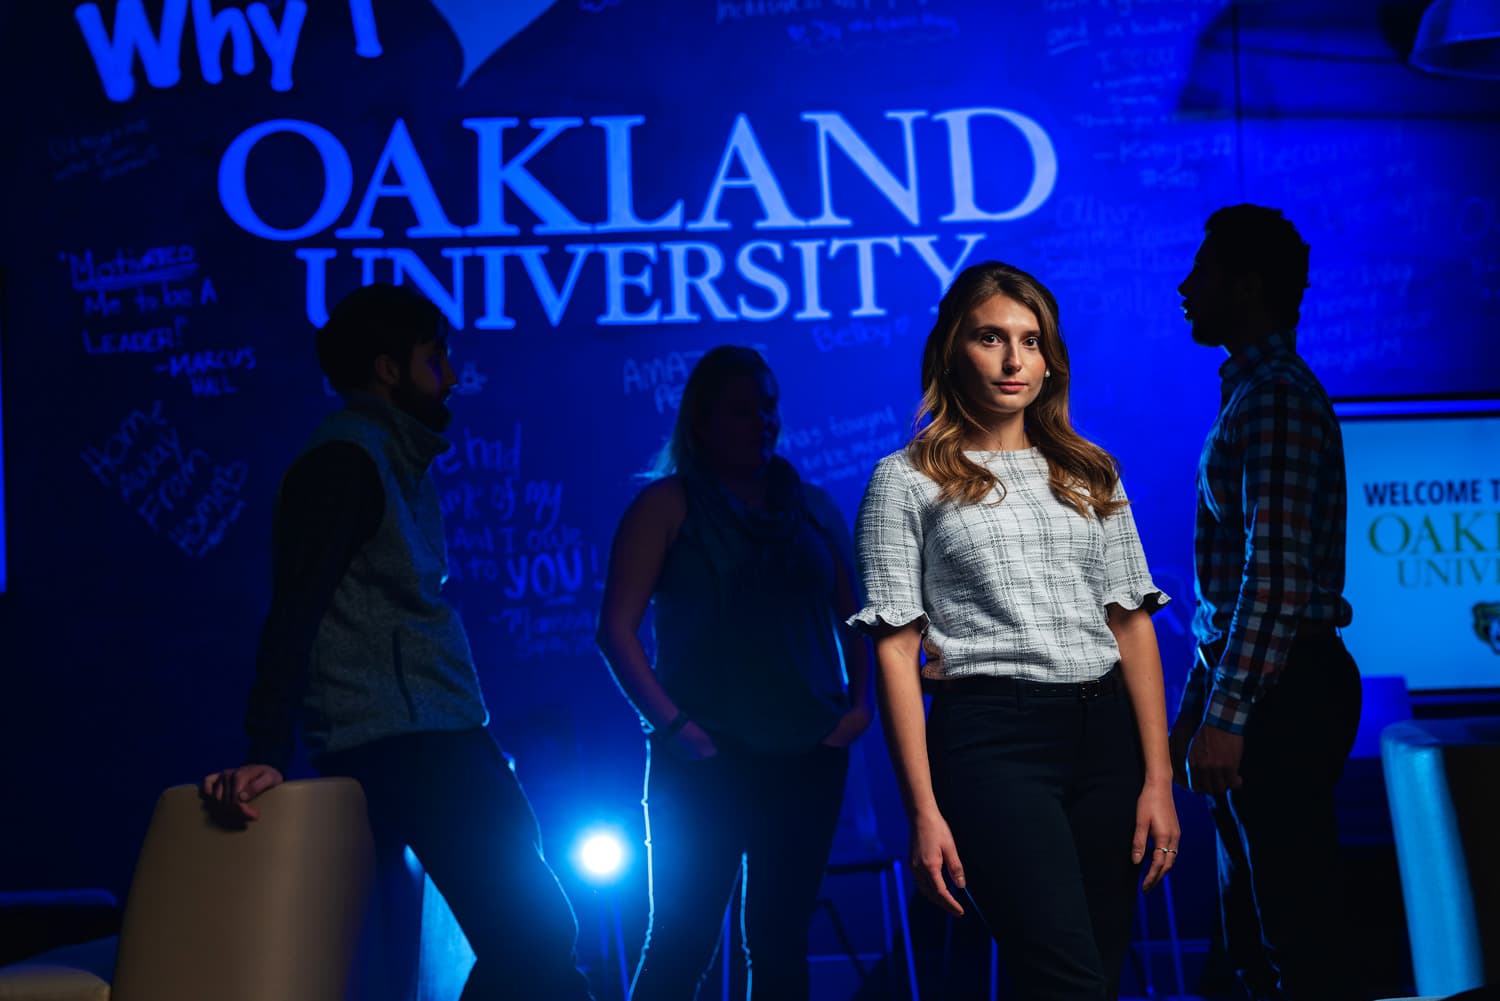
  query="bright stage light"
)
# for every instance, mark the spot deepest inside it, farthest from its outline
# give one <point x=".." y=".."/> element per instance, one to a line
<point x="601" y="855"/>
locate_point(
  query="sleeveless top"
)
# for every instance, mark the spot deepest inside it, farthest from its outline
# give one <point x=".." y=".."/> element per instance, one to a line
<point x="746" y="635"/>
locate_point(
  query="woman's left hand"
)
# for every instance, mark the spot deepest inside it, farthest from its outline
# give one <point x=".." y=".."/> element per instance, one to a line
<point x="850" y="726"/>
<point x="1156" y="814"/>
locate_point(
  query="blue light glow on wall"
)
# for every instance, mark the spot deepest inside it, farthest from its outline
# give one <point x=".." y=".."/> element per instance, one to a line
<point x="596" y="192"/>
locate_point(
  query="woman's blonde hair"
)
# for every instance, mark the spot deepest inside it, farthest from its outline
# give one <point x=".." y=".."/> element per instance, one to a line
<point x="1081" y="474"/>
<point x="705" y="384"/>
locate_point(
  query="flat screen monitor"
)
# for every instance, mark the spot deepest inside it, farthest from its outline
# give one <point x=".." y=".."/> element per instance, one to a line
<point x="1424" y="540"/>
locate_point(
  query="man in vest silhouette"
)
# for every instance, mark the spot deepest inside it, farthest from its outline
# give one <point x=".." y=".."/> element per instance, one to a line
<point x="361" y="648"/>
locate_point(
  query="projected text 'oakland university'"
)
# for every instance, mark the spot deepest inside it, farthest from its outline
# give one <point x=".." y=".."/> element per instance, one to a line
<point x="917" y="219"/>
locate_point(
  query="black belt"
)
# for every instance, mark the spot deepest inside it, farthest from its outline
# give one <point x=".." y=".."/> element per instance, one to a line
<point x="1212" y="653"/>
<point x="995" y="684"/>
<point x="1320" y="630"/>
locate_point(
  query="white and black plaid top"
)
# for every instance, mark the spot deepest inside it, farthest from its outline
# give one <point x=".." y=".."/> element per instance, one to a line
<point x="1015" y="588"/>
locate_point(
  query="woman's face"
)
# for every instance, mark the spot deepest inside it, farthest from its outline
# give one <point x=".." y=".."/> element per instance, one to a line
<point x="998" y="363"/>
<point x="740" y="427"/>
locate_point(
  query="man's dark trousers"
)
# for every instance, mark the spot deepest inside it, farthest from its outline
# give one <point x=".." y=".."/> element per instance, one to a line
<point x="1280" y="879"/>
<point x="453" y="798"/>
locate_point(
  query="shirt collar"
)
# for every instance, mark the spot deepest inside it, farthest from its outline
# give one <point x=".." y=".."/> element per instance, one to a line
<point x="1257" y="353"/>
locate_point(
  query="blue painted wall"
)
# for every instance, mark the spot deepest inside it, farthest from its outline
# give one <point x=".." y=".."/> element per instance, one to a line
<point x="597" y="191"/>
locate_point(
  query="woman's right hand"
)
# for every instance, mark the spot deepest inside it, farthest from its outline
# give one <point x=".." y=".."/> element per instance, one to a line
<point x="693" y="743"/>
<point x="932" y="851"/>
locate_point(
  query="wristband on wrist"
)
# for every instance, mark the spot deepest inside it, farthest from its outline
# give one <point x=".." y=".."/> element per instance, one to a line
<point x="673" y="728"/>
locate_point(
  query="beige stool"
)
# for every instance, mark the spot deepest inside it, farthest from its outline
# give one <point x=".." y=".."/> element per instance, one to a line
<point x="269" y="913"/>
<point x="45" y="982"/>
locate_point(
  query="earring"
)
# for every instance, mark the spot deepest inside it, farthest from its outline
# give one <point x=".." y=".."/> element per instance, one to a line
<point x="1048" y="374"/>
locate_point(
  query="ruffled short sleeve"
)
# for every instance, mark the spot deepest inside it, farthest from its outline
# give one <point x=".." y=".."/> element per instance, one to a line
<point x="888" y="547"/>
<point x="1127" y="578"/>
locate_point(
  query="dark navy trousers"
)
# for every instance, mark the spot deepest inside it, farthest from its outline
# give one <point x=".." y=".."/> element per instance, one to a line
<point x="1039" y="784"/>
<point x="453" y="798"/>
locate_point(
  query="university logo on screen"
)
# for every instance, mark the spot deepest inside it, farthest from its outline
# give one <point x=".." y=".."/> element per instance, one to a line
<point x="1487" y="624"/>
<point x="1441" y="533"/>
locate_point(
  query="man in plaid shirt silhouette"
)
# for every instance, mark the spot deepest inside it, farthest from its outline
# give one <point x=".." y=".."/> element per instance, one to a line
<point x="1271" y="705"/>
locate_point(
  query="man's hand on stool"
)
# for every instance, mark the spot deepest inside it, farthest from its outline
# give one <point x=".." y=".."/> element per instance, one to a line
<point x="227" y="794"/>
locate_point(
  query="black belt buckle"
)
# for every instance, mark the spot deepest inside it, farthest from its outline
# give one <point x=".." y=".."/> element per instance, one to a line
<point x="1089" y="690"/>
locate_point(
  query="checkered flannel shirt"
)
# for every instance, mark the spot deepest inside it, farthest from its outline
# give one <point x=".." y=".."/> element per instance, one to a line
<point x="1269" y="532"/>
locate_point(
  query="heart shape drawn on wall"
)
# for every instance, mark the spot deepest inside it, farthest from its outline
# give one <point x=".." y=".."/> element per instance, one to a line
<point x="484" y="26"/>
